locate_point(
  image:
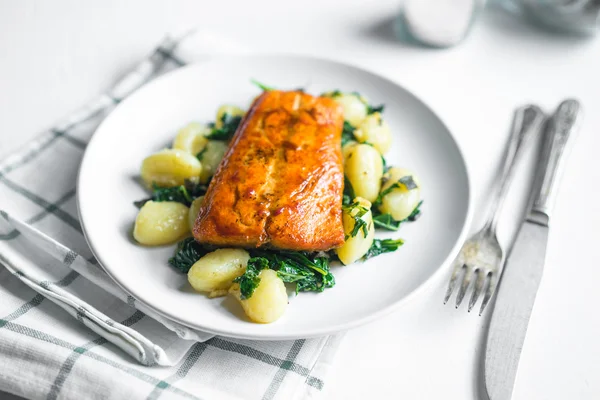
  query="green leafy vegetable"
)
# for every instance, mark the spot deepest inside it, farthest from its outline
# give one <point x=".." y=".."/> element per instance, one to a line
<point x="332" y="94"/>
<point x="184" y="194"/>
<point x="359" y="223"/>
<point x="188" y="252"/>
<point x="262" y="86"/>
<point x="347" y="133"/>
<point x="250" y="280"/>
<point x="310" y="272"/>
<point x="348" y="192"/>
<point x="373" y="109"/>
<point x="226" y="132"/>
<point x="414" y="215"/>
<point x="201" y="153"/>
<point x="381" y="246"/>
<point x="385" y="221"/>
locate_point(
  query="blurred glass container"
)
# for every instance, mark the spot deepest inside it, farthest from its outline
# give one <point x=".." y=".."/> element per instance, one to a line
<point x="574" y="16"/>
<point x="445" y="23"/>
<point x="439" y="23"/>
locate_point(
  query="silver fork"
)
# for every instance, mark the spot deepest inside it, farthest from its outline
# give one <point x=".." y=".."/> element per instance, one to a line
<point x="481" y="257"/>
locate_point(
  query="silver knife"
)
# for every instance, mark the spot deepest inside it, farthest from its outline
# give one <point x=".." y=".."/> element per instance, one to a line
<point x="523" y="271"/>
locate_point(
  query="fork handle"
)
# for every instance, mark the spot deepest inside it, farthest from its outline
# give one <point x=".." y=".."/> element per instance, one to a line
<point x="559" y="135"/>
<point x="527" y="122"/>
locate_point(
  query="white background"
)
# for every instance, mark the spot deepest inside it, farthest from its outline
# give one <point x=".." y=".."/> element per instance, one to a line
<point x="56" y="55"/>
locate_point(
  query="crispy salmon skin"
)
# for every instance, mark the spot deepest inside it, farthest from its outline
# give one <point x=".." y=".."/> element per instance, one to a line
<point x="280" y="184"/>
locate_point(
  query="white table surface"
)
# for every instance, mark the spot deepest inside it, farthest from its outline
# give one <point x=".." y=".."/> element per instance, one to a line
<point x="56" y="55"/>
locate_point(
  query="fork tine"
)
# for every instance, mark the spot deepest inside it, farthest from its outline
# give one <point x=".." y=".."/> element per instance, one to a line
<point x="464" y="285"/>
<point x="492" y="281"/>
<point x="479" y="281"/>
<point x="458" y="268"/>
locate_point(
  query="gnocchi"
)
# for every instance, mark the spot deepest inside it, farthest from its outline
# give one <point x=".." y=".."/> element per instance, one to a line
<point x="376" y="131"/>
<point x="400" y="201"/>
<point x="170" y="167"/>
<point x="211" y="158"/>
<point x="194" y="210"/>
<point x="354" y="105"/>
<point x="192" y="138"/>
<point x="356" y="246"/>
<point x="347" y="147"/>
<point x="232" y="111"/>
<point x="269" y="300"/>
<point x="217" y="270"/>
<point x="364" y="169"/>
<point x="160" y="223"/>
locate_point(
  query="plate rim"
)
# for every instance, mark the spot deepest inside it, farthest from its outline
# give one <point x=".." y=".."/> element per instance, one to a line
<point x="315" y="332"/>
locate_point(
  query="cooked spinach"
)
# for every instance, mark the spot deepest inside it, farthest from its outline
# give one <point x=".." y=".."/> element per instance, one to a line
<point x="225" y="132"/>
<point x="310" y="272"/>
<point x="415" y="214"/>
<point x="381" y="246"/>
<point x="200" y="155"/>
<point x="333" y="93"/>
<point x="348" y="192"/>
<point x="347" y="133"/>
<point x="184" y="194"/>
<point x="250" y="280"/>
<point x="385" y="221"/>
<point x="373" y="109"/>
<point x="359" y="223"/>
<point x="188" y="252"/>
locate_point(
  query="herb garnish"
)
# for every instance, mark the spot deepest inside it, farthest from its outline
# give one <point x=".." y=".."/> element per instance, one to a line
<point x="261" y="85"/>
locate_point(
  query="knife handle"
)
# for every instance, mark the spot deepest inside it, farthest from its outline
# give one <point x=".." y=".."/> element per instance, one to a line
<point x="559" y="134"/>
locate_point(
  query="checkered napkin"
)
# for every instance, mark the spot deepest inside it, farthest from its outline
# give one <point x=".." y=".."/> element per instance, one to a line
<point x="63" y="322"/>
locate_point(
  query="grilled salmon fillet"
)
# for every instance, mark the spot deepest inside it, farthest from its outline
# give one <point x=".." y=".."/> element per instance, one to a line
<point x="280" y="184"/>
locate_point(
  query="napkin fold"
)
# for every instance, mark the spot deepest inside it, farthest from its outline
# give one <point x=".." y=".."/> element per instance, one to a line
<point x="63" y="320"/>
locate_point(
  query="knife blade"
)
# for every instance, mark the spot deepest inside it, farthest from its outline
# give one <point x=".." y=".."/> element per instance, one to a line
<point x="522" y="274"/>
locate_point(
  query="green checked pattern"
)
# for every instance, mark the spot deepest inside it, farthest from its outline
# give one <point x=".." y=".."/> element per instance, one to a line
<point x="68" y="332"/>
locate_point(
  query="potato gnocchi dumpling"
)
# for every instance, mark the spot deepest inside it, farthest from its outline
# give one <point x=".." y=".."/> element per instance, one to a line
<point x="217" y="270"/>
<point x="354" y="105"/>
<point x="160" y="223"/>
<point x="347" y="147"/>
<point x="170" y="167"/>
<point x="211" y="157"/>
<point x="400" y="201"/>
<point x="356" y="246"/>
<point x="194" y="210"/>
<point x="269" y="300"/>
<point x="230" y="110"/>
<point x="364" y="168"/>
<point x="376" y="131"/>
<point x="192" y="138"/>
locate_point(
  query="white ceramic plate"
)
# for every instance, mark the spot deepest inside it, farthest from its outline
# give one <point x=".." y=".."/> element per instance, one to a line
<point x="148" y="120"/>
